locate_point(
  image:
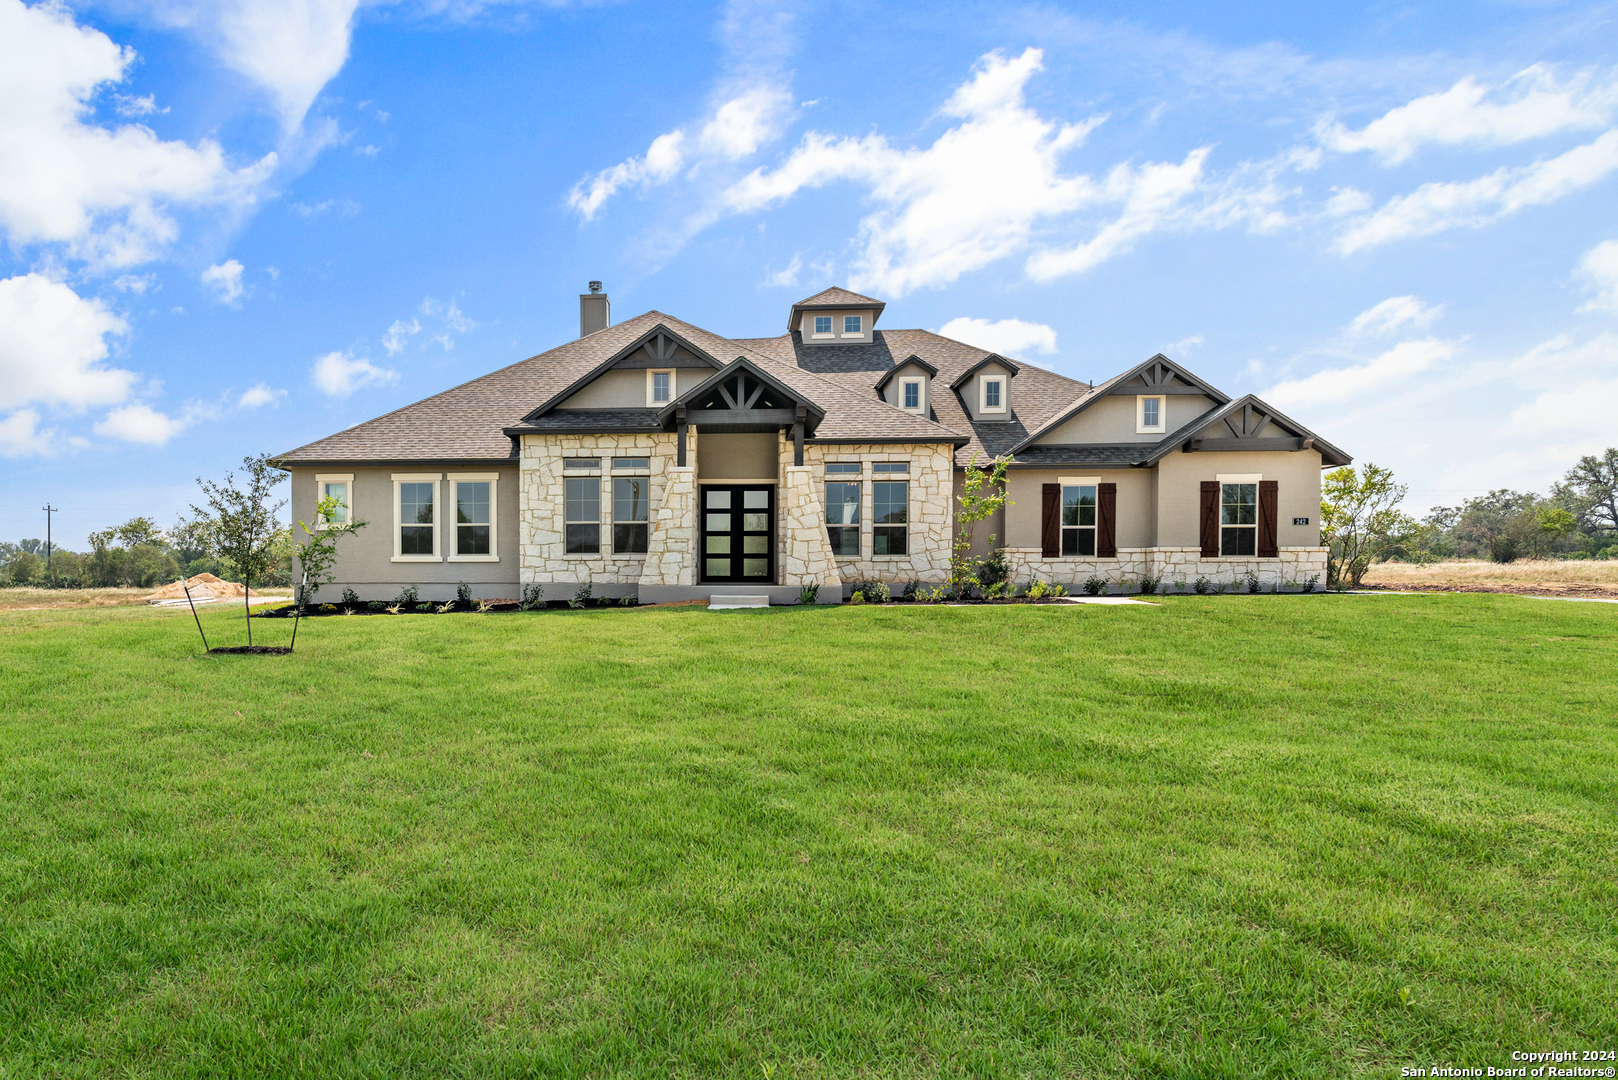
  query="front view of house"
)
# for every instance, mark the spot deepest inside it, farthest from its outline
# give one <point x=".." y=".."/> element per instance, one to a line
<point x="655" y="459"/>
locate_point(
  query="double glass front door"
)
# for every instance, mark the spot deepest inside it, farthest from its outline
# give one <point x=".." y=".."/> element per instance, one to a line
<point x="738" y="533"/>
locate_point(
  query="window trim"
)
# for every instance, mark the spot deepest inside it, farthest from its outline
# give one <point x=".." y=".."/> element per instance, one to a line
<point x="603" y="515"/>
<point x="921" y="394"/>
<point x="860" y="320"/>
<point x="417" y="478"/>
<point x="1238" y="478"/>
<point x="983" y="393"/>
<point x="1141" y="427"/>
<point x="610" y="512"/>
<point x="815" y="329"/>
<point x="321" y="480"/>
<point x="651" y="386"/>
<point x="859" y="526"/>
<point x="875" y="525"/>
<point x="493" y="480"/>
<point x="1065" y="482"/>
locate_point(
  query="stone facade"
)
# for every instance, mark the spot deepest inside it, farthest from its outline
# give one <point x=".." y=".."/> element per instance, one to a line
<point x="672" y="550"/>
<point x="1170" y="565"/>
<point x="931" y="525"/>
<point x="805" y="553"/>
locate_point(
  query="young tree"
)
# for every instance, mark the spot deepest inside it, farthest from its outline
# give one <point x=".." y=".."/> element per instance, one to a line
<point x="1590" y="492"/>
<point x="1359" y="513"/>
<point x="983" y="494"/>
<point x="244" y="525"/>
<point x="319" y="552"/>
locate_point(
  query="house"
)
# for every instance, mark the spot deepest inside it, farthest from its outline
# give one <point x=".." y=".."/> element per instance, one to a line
<point x="657" y="459"/>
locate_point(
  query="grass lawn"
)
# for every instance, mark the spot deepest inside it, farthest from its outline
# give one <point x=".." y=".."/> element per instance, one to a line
<point x="1228" y="836"/>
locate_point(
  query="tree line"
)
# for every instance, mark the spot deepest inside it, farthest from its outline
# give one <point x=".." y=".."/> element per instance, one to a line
<point x="137" y="554"/>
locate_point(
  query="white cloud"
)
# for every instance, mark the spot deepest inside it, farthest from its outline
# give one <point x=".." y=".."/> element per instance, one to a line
<point x="140" y="423"/>
<point x="139" y="284"/>
<point x="52" y="344"/>
<point x="225" y="280"/>
<point x="20" y="435"/>
<point x="1534" y="105"/>
<point x="745" y="122"/>
<point x="106" y="193"/>
<point x="662" y="160"/>
<point x="1472" y="204"/>
<point x="1008" y="337"/>
<point x="1600" y="268"/>
<point x="137" y="106"/>
<point x="259" y="395"/>
<point x="1394" y="313"/>
<point x="787" y="275"/>
<point x="339" y="374"/>
<point x="1342" y="385"/>
<point x="399" y="334"/>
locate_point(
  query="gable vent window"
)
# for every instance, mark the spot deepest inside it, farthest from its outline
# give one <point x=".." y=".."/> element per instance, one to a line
<point x="822" y="324"/>
<point x="661" y="387"/>
<point x="912" y="393"/>
<point x="993" y="395"/>
<point x="851" y="324"/>
<point x="1149" y="414"/>
<point x="1238" y="519"/>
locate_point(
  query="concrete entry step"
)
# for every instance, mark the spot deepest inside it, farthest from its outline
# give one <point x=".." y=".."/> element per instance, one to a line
<point x="720" y="601"/>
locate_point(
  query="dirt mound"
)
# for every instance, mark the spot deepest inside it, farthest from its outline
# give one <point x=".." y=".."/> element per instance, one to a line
<point x="201" y="585"/>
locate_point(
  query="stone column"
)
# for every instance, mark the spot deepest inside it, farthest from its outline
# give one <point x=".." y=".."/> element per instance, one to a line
<point x="671" y="550"/>
<point x="806" y="557"/>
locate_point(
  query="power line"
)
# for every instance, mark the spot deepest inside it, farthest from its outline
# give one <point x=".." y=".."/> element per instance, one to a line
<point x="49" y="510"/>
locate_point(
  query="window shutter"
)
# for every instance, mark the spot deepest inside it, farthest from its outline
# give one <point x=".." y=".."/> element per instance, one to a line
<point x="1106" y="516"/>
<point x="1210" y="519"/>
<point x="1050" y="520"/>
<point x="1268" y="533"/>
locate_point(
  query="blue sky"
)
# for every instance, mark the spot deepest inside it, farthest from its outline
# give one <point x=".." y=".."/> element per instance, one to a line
<point x="238" y="226"/>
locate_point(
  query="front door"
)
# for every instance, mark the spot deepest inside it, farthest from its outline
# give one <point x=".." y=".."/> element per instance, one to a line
<point x="738" y="533"/>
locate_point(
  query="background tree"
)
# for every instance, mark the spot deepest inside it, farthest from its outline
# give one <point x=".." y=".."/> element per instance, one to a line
<point x="1359" y="520"/>
<point x="23" y="568"/>
<point x="245" y="530"/>
<point x="1502" y="525"/>
<point x="1590" y="492"/>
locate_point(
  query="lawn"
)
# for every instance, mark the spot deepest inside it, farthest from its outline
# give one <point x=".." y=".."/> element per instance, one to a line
<point x="1227" y="836"/>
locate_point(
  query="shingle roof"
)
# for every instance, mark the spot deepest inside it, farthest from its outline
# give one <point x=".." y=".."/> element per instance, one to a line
<point x="588" y="420"/>
<point x="834" y="297"/>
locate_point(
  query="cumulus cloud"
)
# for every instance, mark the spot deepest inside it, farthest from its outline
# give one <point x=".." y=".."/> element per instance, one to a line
<point x="1473" y="204"/>
<point x="52" y="345"/>
<point x="399" y="335"/>
<point x="140" y="423"/>
<point x="1008" y="337"/>
<point x="105" y="193"/>
<point x="1599" y="267"/>
<point x="1340" y="385"/>
<point x="258" y="396"/>
<point x="225" y="280"/>
<point x="338" y="374"/>
<point x="1394" y="313"/>
<point x="20" y="435"/>
<point x="1530" y="105"/>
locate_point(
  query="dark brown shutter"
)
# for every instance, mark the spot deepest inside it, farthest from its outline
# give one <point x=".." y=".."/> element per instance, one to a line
<point x="1050" y="520"/>
<point x="1210" y="519"/>
<point x="1106" y="518"/>
<point x="1268" y="496"/>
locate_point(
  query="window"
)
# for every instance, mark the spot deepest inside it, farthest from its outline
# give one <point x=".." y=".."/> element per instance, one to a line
<point x="339" y="487"/>
<point x="822" y="324"/>
<point x="890" y="466"/>
<point x="1079" y="520"/>
<point x="1149" y="414"/>
<point x="476" y="509"/>
<point x="575" y="464"/>
<point x="992" y="395"/>
<point x="890" y="516"/>
<point x="1238" y="519"/>
<point x="659" y="387"/>
<point x="583" y="515"/>
<point x="843" y="515"/>
<point x="630" y="513"/>
<point x="415" y="520"/>
<point x="851" y="324"/>
<point x="630" y="464"/>
<point x="842" y="467"/>
<point x="912" y="393"/>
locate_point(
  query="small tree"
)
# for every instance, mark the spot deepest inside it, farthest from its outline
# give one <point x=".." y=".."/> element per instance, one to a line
<point x="319" y="552"/>
<point x="1359" y="513"/>
<point x="244" y="525"/>
<point x="983" y="494"/>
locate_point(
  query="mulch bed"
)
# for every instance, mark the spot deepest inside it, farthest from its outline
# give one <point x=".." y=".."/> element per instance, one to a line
<point x="256" y="650"/>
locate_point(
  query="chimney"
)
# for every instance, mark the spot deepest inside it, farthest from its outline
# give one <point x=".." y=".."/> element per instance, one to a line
<point x="595" y="313"/>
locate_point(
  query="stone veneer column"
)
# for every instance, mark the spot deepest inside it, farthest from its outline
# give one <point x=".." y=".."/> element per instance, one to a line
<point x="806" y="555"/>
<point x="671" y="557"/>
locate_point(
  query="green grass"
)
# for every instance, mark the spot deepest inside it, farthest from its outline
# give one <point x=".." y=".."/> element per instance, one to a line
<point x="1235" y="836"/>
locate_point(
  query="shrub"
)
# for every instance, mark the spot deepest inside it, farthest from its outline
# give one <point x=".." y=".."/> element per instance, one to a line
<point x="377" y="605"/>
<point x="582" y="596"/>
<point x="629" y="601"/>
<point x="1314" y="580"/>
<point x="424" y="608"/>
<point x="1252" y="581"/>
<point x="1149" y="584"/>
<point x="857" y="598"/>
<point x="406" y="597"/>
<point x="484" y="606"/>
<point x="1058" y="589"/>
<point x="1202" y="586"/>
<point x="531" y="597"/>
<point x="935" y="595"/>
<point x="463" y="594"/>
<point x="809" y="594"/>
<point x="328" y="608"/>
<point x="993" y="570"/>
<point x="997" y="591"/>
<point x="1094" y="586"/>
<point x="394" y="609"/>
<point x="351" y="598"/>
<point x="915" y="586"/>
<point x="1038" y="591"/>
<point x="871" y="592"/>
<point x="446" y="607"/>
<point x="1179" y="586"/>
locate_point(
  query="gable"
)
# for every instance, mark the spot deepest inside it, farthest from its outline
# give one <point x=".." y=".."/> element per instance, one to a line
<point x="1247" y="424"/>
<point x="1112" y="419"/>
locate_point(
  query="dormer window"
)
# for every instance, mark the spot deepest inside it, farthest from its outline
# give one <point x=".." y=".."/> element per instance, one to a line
<point x="822" y="325"/>
<point x="912" y="394"/>
<point x="851" y="324"/>
<point x="1149" y="414"/>
<point x="993" y="395"/>
<point x="659" y="387"/>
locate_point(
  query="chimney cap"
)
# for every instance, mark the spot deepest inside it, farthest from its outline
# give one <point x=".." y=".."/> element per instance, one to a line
<point x="595" y="286"/>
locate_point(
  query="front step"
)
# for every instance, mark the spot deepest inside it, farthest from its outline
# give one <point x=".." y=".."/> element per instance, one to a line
<point x="721" y="601"/>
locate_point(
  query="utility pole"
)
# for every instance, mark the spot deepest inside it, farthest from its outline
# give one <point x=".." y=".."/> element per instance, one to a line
<point x="49" y="510"/>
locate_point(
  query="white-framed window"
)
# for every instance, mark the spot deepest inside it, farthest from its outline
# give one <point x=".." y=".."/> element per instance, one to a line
<point x="992" y="394"/>
<point x="415" y="517"/>
<point x="475" y="502"/>
<point x="1151" y="414"/>
<point x="910" y="394"/>
<point x="1238" y="513"/>
<point x="582" y="515"/>
<point x="890" y="517"/>
<point x="852" y="324"/>
<point x="822" y="325"/>
<point x="1078" y="519"/>
<point x="659" y="386"/>
<point x="339" y="486"/>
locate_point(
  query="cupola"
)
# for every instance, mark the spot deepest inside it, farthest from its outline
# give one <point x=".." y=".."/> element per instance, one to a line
<point x="835" y="317"/>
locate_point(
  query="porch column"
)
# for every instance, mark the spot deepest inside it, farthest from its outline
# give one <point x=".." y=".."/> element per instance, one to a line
<point x="806" y="558"/>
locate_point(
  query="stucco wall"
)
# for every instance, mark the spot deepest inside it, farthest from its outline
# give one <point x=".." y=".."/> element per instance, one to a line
<point x="739" y="456"/>
<point x="1135" y="503"/>
<point x="1179" y="486"/>
<point x="972" y="395"/>
<point x="625" y="388"/>
<point x="365" y="558"/>
<point x="932" y="480"/>
<point x="1112" y="420"/>
<point x="806" y="327"/>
